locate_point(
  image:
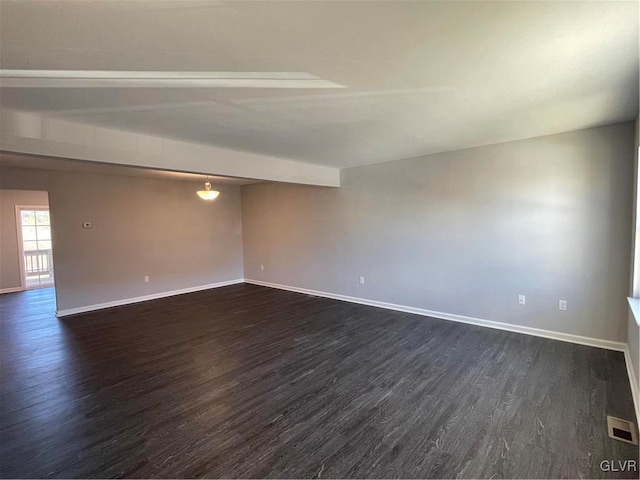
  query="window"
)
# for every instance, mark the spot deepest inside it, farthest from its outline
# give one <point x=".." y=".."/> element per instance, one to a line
<point x="36" y="256"/>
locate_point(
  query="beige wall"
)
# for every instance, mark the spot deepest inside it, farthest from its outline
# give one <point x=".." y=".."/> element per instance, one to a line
<point x="465" y="232"/>
<point x="9" y="251"/>
<point x="142" y="226"/>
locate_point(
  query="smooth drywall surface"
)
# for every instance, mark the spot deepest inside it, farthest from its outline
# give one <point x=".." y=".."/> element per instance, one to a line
<point x="9" y="251"/>
<point x="465" y="232"/>
<point x="30" y="133"/>
<point x="141" y="227"/>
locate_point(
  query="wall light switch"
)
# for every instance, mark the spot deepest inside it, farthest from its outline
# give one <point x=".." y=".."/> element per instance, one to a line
<point x="146" y="279"/>
<point x="261" y="267"/>
<point x="522" y="300"/>
<point x="562" y="305"/>
<point x="361" y="280"/>
<point x="87" y="225"/>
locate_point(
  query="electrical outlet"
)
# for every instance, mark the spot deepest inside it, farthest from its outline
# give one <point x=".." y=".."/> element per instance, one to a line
<point x="361" y="280"/>
<point x="146" y="279"/>
<point x="562" y="305"/>
<point x="522" y="300"/>
<point x="262" y="267"/>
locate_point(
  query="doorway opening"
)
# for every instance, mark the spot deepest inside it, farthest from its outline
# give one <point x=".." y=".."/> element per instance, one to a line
<point x="34" y="244"/>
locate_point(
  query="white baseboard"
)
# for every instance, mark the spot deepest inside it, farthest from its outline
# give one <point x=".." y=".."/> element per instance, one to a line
<point x="153" y="296"/>
<point x="566" y="337"/>
<point x="537" y="332"/>
<point x="11" y="290"/>
<point x="633" y="380"/>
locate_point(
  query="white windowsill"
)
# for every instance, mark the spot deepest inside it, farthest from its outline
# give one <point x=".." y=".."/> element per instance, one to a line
<point x="634" y="305"/>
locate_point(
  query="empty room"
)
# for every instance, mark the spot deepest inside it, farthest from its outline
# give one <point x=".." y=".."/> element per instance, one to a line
<point x="319" y="239"/>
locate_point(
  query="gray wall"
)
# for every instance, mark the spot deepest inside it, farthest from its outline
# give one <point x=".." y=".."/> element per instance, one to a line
<point x="465" y="232"/>
<point x="9" y="251"/>
<point x="142" y="226"/>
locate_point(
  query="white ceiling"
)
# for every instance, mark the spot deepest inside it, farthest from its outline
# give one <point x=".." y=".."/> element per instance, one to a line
<point x="65" y="165"/>
<point x="421" y="77"/>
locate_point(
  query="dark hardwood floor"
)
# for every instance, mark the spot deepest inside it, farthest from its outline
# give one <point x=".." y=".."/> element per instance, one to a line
<point x="247" y="381"/>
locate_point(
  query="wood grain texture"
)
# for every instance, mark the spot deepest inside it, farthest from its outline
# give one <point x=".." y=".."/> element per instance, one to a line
<point x="247" y="381"/>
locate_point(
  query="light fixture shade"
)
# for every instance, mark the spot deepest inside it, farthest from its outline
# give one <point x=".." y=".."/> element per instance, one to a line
<point x="207" y="193"/>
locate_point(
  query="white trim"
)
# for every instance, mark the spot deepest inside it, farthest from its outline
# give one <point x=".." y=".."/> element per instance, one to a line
<point x="112" y="78"/>
<point x="19" y="208"/>
<point x="144" y="298"/>
<point x="11" y="290"/>
<point x="23" y="281"/>
<point x="147" y="74"/>
<point x="25" y="289"/>
<point x="635" y="391"/>
<point x="538" y="332"/>
<point x="634" y="306"/>
<point x="564" y="337"/>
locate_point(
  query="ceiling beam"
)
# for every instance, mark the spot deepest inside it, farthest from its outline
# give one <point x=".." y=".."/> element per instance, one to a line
<point x="33" y="134"/>
<point x="147" y="79"/>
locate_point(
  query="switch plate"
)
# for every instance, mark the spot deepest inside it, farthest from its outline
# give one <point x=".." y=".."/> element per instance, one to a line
<point x="361" y="280"/>
<point x="562" y="305"/>
<point x="522" y="300"/>
<point x="262" y="267"/>
<point x="146" y="279"/>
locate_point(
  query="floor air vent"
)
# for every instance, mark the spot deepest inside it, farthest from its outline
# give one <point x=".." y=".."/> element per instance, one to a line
<point x="622" y="430"/>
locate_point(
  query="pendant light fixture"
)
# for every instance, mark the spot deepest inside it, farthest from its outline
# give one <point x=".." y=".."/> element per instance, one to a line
<point x="207" y="193"/>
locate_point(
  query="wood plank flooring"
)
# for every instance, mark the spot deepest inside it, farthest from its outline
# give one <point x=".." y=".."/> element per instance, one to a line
<point x="246" y="381"/>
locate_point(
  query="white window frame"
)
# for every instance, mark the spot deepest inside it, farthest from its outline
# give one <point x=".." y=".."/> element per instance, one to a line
<point x="19" y="208"/>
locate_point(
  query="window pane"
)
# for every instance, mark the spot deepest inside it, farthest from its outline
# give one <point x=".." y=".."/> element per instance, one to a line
<point x="46" y="245"/>
<point x="44" y="233"/>
<point x="28" y="233"/>
<point x="28" y="217"/>
<point x="42" y="217"/>
<point x="30" y="246"/>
